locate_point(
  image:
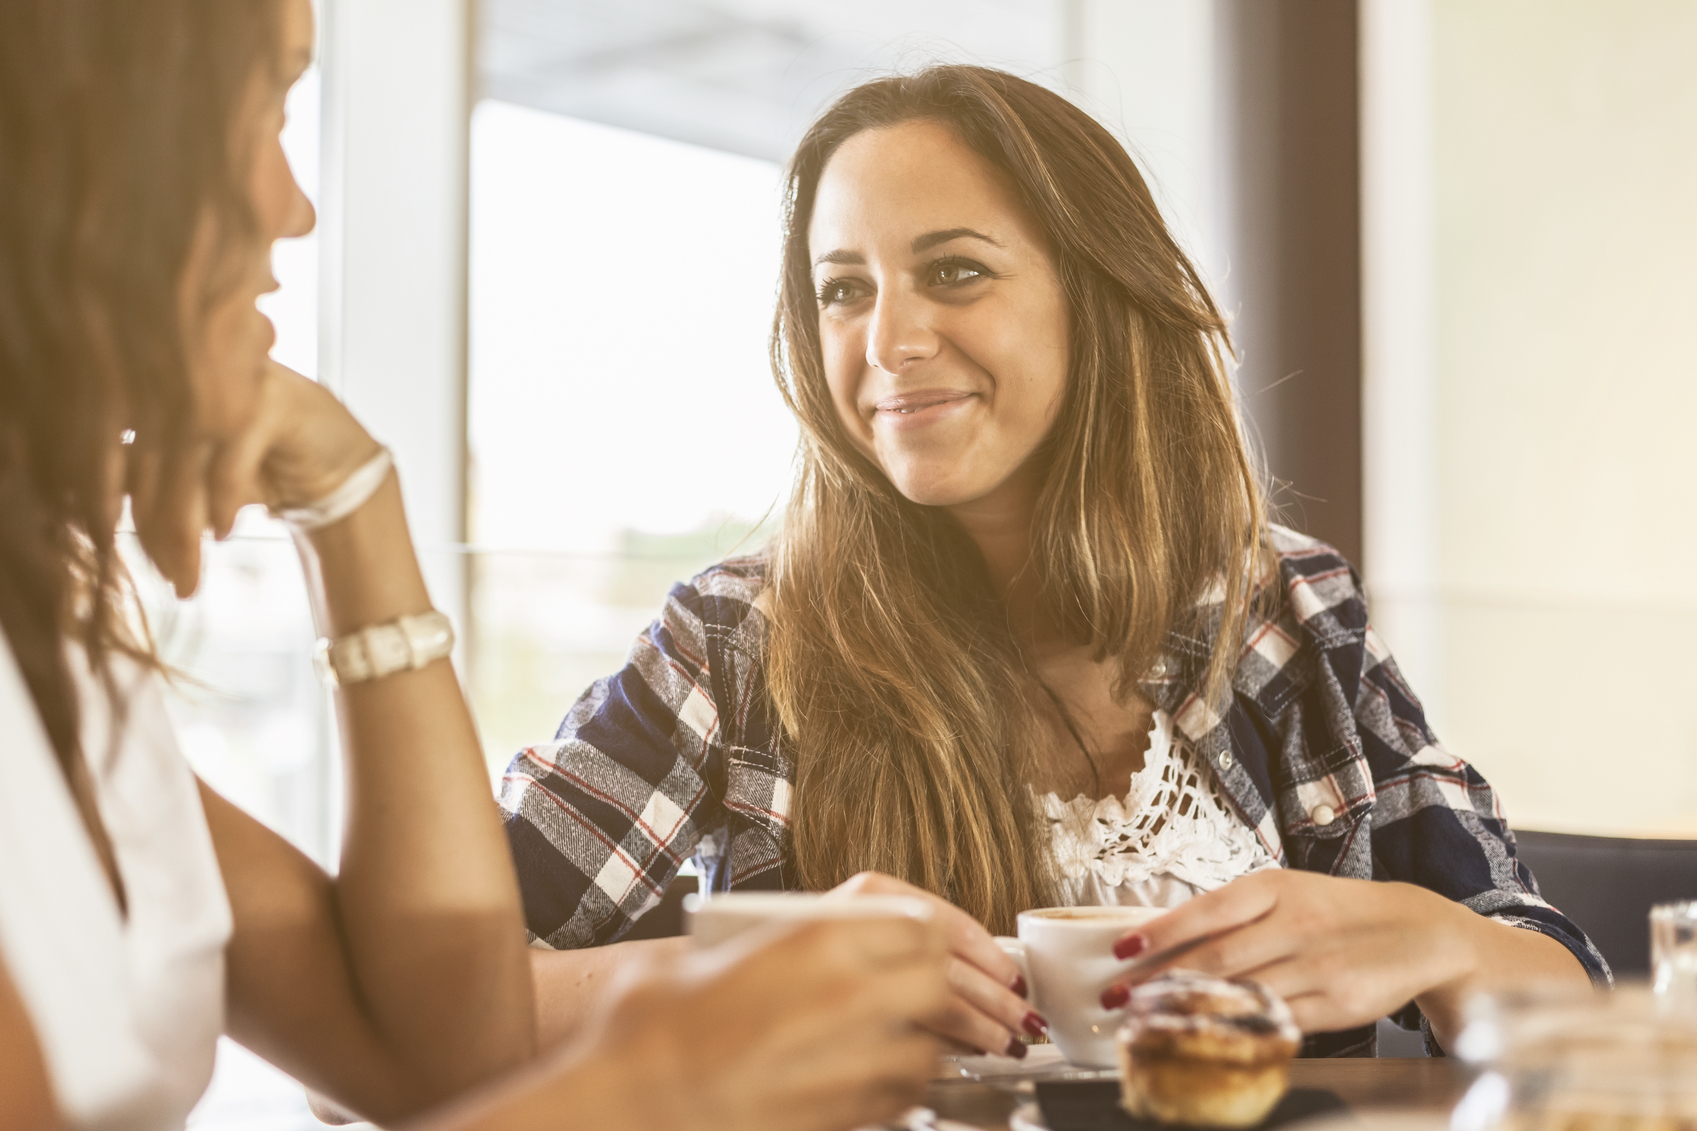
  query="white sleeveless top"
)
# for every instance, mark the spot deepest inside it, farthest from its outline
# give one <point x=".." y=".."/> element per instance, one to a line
<point x="1172" y="836"/>
<point x="126" y="1011"/>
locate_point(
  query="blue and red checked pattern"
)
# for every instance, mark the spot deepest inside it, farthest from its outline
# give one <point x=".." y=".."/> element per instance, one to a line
<point x="669" y="758"/>
<point x="676" y="756"/>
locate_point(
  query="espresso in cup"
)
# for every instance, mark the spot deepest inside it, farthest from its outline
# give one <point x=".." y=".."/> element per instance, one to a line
<point x="1067" y="954"/>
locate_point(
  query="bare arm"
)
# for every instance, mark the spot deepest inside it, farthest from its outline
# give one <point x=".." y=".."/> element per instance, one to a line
<point x="403" y="980"/>
<point x="571" y="984"/>
<point x="26" y="1097"/>
<point x="426" y="894"/>
<point x="293" y="998"/>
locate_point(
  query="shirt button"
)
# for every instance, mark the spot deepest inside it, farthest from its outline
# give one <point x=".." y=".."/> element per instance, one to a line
<point x="1322" y="815"/>
<point x="1227" y="761"/>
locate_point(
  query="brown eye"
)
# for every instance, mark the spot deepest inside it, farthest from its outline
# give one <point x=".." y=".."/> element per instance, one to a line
<point x="836" y="291"/>
<point x="948" y="274"/>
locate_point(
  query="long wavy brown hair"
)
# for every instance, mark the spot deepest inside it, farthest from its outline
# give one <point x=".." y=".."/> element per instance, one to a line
<point x="117" y="138"/>
<point x="902" y="693"/>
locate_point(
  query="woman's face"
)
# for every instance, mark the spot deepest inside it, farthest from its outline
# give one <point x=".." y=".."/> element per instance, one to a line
<point x="942" y="317"/>
<point x="228" y="340"/>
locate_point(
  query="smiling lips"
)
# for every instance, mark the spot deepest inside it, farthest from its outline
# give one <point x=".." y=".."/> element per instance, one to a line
<point x="921" y="406"/>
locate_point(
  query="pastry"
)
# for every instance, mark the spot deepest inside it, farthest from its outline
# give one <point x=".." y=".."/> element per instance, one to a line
<point x="1205" y="1052"/>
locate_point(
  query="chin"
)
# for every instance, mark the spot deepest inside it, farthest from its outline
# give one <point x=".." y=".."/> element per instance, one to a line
<point x="936" y="491"/>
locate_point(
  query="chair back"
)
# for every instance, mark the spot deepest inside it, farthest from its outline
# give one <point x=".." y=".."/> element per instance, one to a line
<point x="665" y="919"/>
<point x="1608" y="884"/>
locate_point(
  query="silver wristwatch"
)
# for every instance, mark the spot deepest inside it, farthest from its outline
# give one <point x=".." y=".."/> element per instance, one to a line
<point x="404" y="644"/>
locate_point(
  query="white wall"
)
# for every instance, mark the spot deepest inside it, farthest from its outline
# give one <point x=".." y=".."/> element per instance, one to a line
<point x="1147" y="69"/>
<point x="1399" y="379"/>
<point x="1562" y="390"/>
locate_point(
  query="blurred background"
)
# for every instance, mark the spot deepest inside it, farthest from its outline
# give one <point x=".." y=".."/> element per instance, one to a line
<point x="1454" y="238"/>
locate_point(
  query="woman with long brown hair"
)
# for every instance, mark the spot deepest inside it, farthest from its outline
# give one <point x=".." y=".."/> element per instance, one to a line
<point x="1025" y="635"/>
<point x="142" y="184"/>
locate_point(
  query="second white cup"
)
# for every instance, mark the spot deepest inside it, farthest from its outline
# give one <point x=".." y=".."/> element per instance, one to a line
<point x="713" y="919"/>
<point x="1067" y="954"/>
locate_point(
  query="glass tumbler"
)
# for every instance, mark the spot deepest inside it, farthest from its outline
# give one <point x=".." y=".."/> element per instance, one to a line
<point x="1673" y="950"/>
<point x="1571" y="1060"/>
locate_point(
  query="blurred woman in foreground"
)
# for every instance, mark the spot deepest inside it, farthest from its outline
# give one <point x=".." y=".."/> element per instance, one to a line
<point x="142" y="183"/>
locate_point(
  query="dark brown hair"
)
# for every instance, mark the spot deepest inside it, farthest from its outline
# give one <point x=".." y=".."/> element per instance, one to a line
<point x="901" y="691"/>
<point x="117" y="138"/>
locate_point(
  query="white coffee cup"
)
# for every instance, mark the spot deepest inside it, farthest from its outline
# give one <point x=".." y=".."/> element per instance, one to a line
<point x="710" y="920"/>
<point x="1067" y="955"/>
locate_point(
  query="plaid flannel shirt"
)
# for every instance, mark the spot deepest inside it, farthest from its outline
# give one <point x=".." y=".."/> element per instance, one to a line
<point x="1323" y="751"/>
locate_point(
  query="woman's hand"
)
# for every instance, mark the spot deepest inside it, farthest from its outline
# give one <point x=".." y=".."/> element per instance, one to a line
<point x="1341" y="952"/>
<point x="987" y="1009"/>
<point x="295" y="444"/>
<point x="815" y="1027"/>
<point x="1345" y="952"/>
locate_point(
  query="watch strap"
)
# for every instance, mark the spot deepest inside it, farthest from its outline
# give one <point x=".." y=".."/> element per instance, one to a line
<point x="403" y="644"/>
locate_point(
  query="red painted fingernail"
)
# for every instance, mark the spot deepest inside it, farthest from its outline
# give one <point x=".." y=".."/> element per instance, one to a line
<point x="1018" y="984"/>
<point x="1035" y="1025"/>
<point x="1115" y="996"/>
<point x="1016" y="1049"/>
<point x="1130" y="947"/>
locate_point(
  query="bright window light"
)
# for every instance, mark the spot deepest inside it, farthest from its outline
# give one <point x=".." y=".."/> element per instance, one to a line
<point x="624" y="427"/>
<point x="621" y="295"/>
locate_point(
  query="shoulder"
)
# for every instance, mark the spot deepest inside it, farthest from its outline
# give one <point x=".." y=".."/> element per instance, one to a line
<point x="1318" y="589"/>
<point x="740" y="580"/>
<point x="728" y="592"/>
<point x="1309" y="626"/>
<point x="725" y="603"/>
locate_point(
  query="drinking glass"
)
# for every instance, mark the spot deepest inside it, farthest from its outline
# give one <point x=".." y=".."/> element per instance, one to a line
<point x="1573" y="1060"/>
<point x="1673" y="950"/>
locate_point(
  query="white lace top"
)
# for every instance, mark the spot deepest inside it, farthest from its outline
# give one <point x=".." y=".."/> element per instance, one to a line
<point x="1171" y="837"/>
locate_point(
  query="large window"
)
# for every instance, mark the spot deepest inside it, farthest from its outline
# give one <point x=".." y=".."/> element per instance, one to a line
<point x="624" y="427"/>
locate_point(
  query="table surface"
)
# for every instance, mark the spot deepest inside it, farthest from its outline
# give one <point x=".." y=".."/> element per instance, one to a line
<point x="1408" y="1084"/>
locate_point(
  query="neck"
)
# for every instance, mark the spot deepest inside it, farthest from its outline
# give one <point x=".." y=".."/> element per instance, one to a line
<point x="1000" y="524"/>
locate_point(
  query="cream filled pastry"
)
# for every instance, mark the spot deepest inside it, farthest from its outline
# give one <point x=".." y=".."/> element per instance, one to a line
<point x="1205" y="1052"/>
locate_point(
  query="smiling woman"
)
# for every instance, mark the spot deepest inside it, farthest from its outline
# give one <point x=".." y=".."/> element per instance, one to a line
<point x="946" y="338"/>
<point x="1025" y="636"/>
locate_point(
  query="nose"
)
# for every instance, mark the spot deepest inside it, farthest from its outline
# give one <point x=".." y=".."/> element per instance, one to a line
<point x="303" y="217"/>
<point x="898" y="335"/>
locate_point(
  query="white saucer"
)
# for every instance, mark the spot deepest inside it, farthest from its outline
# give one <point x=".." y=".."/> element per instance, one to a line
<point x="1042" y="1062"/>
<point x="1026" y="1117"/>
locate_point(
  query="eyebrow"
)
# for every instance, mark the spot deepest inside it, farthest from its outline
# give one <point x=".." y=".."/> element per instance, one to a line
<point x="920" y="243"/>
<point x="842" y="257"/>
<point x="932" y="239"/>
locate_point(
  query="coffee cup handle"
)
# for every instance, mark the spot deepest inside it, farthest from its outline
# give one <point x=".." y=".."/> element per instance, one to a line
<point x="1015" y="949"/>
